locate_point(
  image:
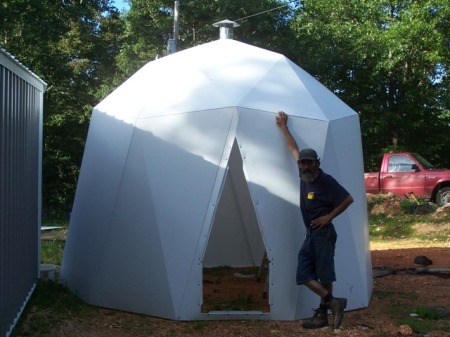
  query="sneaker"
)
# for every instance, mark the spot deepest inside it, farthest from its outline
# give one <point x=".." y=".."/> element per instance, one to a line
<point x="337" y="306"/>
<point x="319" y="320"/>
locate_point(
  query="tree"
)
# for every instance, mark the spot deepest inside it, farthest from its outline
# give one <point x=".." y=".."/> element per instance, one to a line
<point x="146" y="25"/>
<point x="390" y="62"/>
<point x="149" y="23"/>
<point x="71" y="45"/>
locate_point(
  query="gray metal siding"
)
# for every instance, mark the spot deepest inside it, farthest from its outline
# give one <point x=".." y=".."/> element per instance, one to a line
<point x="20" y="185"/>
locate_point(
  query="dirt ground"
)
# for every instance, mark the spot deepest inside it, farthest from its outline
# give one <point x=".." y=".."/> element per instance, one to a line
<point x="399" y="285"/>
<point x="400" y="288"/>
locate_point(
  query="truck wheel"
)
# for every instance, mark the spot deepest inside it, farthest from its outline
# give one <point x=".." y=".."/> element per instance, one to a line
<point x="443" y="196"/>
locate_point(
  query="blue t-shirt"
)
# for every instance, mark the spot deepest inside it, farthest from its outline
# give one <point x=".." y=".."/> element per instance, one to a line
<point x="320" y="197"/>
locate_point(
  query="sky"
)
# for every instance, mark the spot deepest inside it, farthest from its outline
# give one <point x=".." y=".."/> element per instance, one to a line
<point x="121" y="4"/>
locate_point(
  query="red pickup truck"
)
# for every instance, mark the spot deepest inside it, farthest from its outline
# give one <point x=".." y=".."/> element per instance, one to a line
<point x="403" y="173"/>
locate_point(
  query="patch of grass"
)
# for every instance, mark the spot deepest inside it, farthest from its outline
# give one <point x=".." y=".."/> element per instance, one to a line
<point x="383" y="226"/>
<point x="430" y="313"/>
<point x="378" y="199"/>
<point x="217" y="271"/>
<point x="52" y="251"/>
<point x="418" y="326"/>
<point x="396" y="217"/>
<point x="383" y="294"/>
<point x="241" y="303"/>
<point x="379" y="332"/>
<point x="398" y="310"/>
<point x="199" y="325"/>
<point x="441" y="236"/>
<point x="427" y="319"/>
<point x="51" y="295"/>
<point x="217" y="281"/>
<point x="50" y="305"/>
<point x="421" y="206"/>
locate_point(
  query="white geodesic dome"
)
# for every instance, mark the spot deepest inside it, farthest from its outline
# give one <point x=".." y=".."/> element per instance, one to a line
<point x="184" y="167"/>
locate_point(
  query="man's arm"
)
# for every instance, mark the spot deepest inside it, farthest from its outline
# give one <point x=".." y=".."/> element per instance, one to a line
<point x="281" y="120"/>
<point x="327" y="218"/>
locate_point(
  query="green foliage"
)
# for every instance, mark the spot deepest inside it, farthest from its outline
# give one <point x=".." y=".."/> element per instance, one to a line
<point x="430" y="313"/>
<point x="407" y="205"/>
<point x="52" y="304"/>
<point x="199" y="325"/>
<point x="55" y="221"/>
<point x="395" y="217"/>
<point x="383" y="294"/>
<point x="217" y="271"/>
<point x="388" y="60"/>
<point x="240" y="303"/>
<point x="427" y="319"/>
<point x="417" y="326"/>
<point x="420" y="319"/>
<point x="384" y="225"/>
<point x="71" y="45"/>
<point x="382" y="199"/>
<point x="410" y="206"/>
<point x="52" y="251"/>
<point x="149" y="24"/>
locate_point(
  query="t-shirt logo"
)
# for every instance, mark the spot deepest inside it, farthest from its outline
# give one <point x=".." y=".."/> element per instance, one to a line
<point x="311" y="195"/>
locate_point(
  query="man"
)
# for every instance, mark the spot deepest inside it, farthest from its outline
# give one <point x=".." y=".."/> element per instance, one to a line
<point x="322" y="199"/>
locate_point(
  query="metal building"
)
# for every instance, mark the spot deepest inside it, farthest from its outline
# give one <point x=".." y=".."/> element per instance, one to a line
<point x="21" y="102"/>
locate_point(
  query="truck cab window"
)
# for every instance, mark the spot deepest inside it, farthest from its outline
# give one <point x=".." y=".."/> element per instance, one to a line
<point x="401" y="164"/>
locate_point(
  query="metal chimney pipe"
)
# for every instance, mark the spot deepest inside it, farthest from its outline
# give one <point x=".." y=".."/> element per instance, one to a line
<point x="226" y="28"/>
<point x="172" y="42"/>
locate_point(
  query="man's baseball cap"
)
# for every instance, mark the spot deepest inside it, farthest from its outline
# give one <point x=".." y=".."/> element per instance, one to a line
<point x="307" y="154"/>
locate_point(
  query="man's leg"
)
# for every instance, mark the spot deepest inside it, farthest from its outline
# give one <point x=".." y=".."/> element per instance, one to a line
<point x="327" y="301"/>
<point x="324" y="290"/>
<point x="318" y="288"/>
<point x="307" y="275"/>
<point x="320" y="318"/>
<point x="337" y="307"/>
<point x="329" y="288"/>
<point x="324" y="247"/>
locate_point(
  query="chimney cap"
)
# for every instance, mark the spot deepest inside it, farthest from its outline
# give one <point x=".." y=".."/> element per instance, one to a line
<point x="226" y="23"/>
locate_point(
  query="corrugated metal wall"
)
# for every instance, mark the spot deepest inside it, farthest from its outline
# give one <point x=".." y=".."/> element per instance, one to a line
<point x="21" y="95"/>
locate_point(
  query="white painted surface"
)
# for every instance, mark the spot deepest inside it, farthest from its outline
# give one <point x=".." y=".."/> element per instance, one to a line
<point x="184" y="166"/>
